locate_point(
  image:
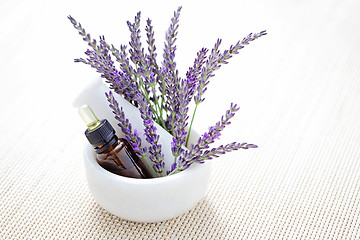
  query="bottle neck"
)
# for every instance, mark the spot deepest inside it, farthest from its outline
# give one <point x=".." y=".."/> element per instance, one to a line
<point x="104" y="147"/>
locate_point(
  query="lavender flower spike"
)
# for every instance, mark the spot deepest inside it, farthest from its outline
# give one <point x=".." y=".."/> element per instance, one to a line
<point x="151" y="46"/>
<point x="170" y="75"/>
<point x="136" y="51"/>
<point x="216" y="59"/>
<point x="183" y="96"/>
<point x="214" y="62"/>
<point x="156" y="156"/>
<point x="215" y="152"/>
<point x="197" y="150"/>
<point x="170" y="47"/>
<point x="234" y="49"/>
<point x="82" y="32"/>
<point x="131" y="136"/>
<point x="208" y="155"/>
<point x="213" y="133"/>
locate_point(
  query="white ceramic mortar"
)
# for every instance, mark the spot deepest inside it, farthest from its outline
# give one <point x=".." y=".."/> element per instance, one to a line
<point x="140" y="200"/>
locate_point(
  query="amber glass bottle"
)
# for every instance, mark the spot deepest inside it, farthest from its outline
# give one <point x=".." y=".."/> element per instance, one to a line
<point x="113" y="154"/>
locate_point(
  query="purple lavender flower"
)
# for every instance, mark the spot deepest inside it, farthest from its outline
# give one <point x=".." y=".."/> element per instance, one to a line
<point x="183" y="164"/>
<point x="129" y="134"/>
<point x="170" y="47"/>
<point x="82" y="32"/>
<point x="100" y="60"/>
<point x="216" y="59"/>
<point x="151" y="57"/>
<point x="212" y="63"/>
<point x="215" y="131"/>
<point x="215" y="152"/>
<point x="173" y="169"/>
<point x="184" y="96"/>
<point x="156" y="156"/>
<point x="170" y="78"/>
<point x="137" y="55"/>
<point x="122" y="57"/>
<point x="197" y="150"/>
<point x="195" y="71"/>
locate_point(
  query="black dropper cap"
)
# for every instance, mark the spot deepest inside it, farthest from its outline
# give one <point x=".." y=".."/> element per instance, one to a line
<point x="100" y="134"/>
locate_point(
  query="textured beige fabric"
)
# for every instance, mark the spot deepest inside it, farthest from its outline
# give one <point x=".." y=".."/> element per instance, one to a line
<point x="299" y="92"/>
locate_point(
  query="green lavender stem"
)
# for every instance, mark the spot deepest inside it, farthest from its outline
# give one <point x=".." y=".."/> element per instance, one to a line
<point x="192" y="120"/>
<point x="158" y="118"/>
<point x="148" y="162"/>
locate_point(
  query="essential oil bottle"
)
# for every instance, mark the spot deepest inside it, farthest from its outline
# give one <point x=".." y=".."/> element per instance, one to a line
<point x="113" y="154"/>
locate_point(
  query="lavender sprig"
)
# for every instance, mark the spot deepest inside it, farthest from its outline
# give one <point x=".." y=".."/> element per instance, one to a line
<point x="208" y="155"/>
<point x="215" y="152"/>
<point x="130" y="135"/>
<point x="214" y="132"/>
<point x="206" y="72"/>
<point x="213" y="63"/>
<point x="155" y="74"/>
<point x="137" y="54"/>
<point x="122" y="57"/>
<point x="86" y="37"/>
<point x="195" y="70"/>
<point x="216" y="59"/>
<point x="171" y="79"/>
<point x="170" y="47"/>
<point x="234" y="49"/>
<point x="156" y="156"/>
<point x="185" y="93"/>
<point x="151" y="47"/>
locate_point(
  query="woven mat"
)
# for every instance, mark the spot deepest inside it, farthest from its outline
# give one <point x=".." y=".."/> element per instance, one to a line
<point x="299" y="92"/>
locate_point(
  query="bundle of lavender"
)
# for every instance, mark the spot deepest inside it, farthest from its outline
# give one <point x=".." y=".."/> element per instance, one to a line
<point x="160" y="94"/>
